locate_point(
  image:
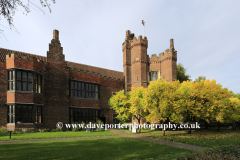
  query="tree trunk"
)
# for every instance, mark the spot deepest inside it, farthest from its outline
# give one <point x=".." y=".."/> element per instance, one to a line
<point x="189" y="127"/>
<point x="163" y="131"/>
<point x="206" y="127"/>
<point x="218" y="126"/>
<point x="234" y="126"/>
<point x="139" y="121"/>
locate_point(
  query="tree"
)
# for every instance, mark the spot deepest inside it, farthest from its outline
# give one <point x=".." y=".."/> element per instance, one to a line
<point x="237" y="96"/>
<point x="120" y="104"/>
<point x="232" y="112"/>
<point x="204" y="100"/>
<point x="137" y="108"/>
<point x="160" y="99"/>
<point x="129" y="105"/>
<point x="181" y="73"/>
<point x="9" y="7"/>
<point x="200" y="78"/>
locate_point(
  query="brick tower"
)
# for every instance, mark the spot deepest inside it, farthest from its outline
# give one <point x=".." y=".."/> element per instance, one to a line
<point x="135" y="61"/>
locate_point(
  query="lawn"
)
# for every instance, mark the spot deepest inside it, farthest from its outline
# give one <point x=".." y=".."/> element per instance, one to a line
<point x="105" y="148"/>
<point x="205" y="138"/>
<point x="146" y="131"/>
<point x="43" y="135"/>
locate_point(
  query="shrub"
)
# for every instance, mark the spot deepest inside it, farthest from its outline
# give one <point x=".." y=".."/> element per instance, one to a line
<point x="83" y="126"/>
<point x="77" y="128"/>
<point x="44" y="130"/>
<point x="100" y="123"/>
<point x="59" y="130"/>
<point x="3" y="130"/>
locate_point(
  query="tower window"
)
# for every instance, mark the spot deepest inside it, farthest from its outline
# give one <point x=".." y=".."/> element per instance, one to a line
<point x="153" y="75"/>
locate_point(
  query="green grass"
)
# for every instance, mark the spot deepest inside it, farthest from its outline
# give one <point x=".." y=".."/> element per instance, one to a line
<point x="207" y="138"/>
<point x="43" y="135"/>
<point x="105" y="148"/>
<point x="145" y="131"/>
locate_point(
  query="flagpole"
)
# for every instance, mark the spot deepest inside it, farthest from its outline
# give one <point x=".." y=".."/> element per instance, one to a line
<point x="144" y="31"/>
<point x="144" y="27"/>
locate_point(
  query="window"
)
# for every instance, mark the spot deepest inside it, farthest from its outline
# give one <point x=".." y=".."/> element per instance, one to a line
<point x="84" y="90"/>
<point x="24" y="114"/>
<point x="37" y="83"/>
<point x="153" y="76"/>
<point x="86" y="115"/>
<point x="11" y="115"/>
<point x="11" y="82"/>
<point x="25" y="81"/>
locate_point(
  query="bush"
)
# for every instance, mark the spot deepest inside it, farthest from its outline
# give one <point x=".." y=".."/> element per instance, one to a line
<point x="100" y="123"/>
<point x="83" y="125"/>
<point x="44" y="130"/>
<point x="59" y="130"/>
<point x="53" y="130"/>
<point x="3" y="130"/>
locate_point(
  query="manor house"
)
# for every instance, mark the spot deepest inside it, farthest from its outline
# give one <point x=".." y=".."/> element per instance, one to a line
<point x="37" y="91"/>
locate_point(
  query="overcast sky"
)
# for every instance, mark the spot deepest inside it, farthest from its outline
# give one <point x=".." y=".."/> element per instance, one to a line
<point x="206" y="33"/>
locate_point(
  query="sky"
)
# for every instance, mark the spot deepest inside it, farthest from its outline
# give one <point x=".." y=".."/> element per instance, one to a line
<point x="206" y="33"/>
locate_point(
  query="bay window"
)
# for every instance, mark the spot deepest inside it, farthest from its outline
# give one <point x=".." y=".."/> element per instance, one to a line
<point x="24" y="113"/>
<point x="28" y="81"/>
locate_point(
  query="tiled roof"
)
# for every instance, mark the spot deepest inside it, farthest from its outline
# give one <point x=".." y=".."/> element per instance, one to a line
<point x="102" y="71"/>
<point x="4" y="52"/>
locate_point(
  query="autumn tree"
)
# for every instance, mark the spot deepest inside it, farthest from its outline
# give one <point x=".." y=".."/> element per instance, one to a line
<point x="203" y="100"/>
<point x="237" y="96"/>
<point x="120" y="104"/>
<point x="160" y="101"/>
<point x="200" y="78"/>
<point x="137" y="108"/>
<point x="129" y="105"/>
<point x="232" y="111"/>
<point x="181" y="73"/>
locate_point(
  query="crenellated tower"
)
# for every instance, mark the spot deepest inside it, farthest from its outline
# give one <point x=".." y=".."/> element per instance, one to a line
<point x="135" y="61"/>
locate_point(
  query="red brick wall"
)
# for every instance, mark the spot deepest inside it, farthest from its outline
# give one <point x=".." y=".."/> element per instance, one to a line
<point x="107" y="87"/>
<point x="31" y="64"/>
<point x="3" y="95"/>
<point x="56" y="94"/>
<point x="84" y="103"/>
<point x="24" y="98"/>
<point x="84" y="77"/>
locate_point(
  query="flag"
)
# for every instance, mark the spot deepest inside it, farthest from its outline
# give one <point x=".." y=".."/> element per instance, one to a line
<point x="143" y="22"/>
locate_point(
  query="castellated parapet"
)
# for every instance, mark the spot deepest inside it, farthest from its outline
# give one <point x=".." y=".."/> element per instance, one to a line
<point x="25" y="56"/>
<point x="167" y="54"/>
<point x="24" y="61"/>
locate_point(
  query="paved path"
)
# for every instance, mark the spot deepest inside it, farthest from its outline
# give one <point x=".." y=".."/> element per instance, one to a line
<point x="122" y="134"/>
